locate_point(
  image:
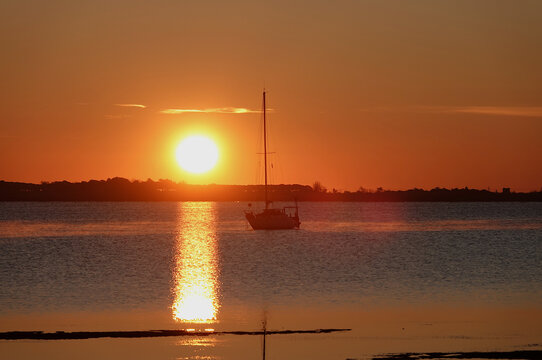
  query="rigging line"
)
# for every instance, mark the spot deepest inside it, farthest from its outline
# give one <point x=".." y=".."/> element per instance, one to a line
<point x="258" y="174"/>
<point x="279" y="169"/>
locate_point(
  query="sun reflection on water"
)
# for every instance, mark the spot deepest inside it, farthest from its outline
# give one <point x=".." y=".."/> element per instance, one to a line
<point x="196" y="270"/>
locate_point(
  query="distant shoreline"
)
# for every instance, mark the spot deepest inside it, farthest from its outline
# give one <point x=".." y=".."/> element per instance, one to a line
<point x="525" y="354"/>
<point x="120" y="189"/>
<point x="83" y="335"/>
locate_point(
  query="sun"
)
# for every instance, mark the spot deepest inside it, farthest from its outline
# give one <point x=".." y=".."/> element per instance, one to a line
<point x="197" y="154"/>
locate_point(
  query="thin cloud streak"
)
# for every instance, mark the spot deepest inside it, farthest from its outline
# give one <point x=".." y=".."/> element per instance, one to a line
<point x="502" y="110"/>
<point x="523" y="111"/>
<point x="132" y="105"/>
<point x="226" y="110"/>
<point x="116" y="117"/>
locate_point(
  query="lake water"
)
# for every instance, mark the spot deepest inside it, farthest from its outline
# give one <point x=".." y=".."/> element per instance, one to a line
<point x="403" y="276"/>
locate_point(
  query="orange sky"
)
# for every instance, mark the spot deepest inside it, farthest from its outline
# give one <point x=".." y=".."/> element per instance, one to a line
<point x="397" y="94"/>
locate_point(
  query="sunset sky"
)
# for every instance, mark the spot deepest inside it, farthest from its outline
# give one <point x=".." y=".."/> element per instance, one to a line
<point x="393" y="94"/>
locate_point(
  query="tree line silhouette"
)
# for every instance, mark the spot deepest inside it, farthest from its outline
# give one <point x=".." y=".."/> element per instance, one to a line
<point x="121" y="189"/>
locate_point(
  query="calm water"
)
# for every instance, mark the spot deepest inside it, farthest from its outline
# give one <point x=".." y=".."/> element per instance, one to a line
<point x="463" y="275"/>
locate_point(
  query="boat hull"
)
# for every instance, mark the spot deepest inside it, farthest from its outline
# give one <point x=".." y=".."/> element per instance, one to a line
<point x="272" y="221"/>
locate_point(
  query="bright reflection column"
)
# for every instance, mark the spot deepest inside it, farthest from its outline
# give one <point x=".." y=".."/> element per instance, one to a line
<point x="196" y="269"/>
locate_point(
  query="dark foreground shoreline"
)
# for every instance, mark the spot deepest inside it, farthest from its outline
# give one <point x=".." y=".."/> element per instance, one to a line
<point x="518" y="354"/>
<point x="120" y="189"/>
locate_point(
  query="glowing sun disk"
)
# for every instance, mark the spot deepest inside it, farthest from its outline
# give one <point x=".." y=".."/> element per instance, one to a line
<point x="197" y="154"/>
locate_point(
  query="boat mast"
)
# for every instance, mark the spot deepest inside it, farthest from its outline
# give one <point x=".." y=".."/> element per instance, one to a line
<point x="265" y="149"/>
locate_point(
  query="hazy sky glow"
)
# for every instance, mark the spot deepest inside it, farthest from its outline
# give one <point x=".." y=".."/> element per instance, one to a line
<point x="397" y="94"/>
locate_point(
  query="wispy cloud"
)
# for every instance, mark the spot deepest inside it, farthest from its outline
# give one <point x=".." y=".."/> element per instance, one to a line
<point x="529" y="111"/>
<point x="132" y="105"/>
<point x="116" y="117"/>
<point x="225" y="110"/>
<point x="525" y="111"/>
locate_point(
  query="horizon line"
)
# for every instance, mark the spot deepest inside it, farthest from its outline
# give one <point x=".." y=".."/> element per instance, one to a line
<point x="360" y="188"/>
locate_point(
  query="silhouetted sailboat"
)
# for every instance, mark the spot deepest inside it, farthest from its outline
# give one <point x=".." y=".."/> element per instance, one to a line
<point x="271" y="218"/>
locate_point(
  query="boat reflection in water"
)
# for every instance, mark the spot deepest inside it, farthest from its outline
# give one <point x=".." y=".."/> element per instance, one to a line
<point x="196" y="268"/>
